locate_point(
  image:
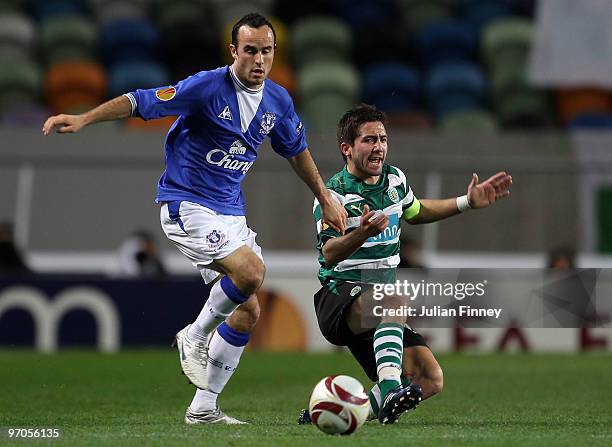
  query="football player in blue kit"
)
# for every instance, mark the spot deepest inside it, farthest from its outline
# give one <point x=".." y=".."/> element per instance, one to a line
<point x="224" y="115"/>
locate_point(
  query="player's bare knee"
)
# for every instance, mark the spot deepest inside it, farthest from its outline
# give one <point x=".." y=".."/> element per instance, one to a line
<point x="436" y="381"/>
<point x="250" y="277"/>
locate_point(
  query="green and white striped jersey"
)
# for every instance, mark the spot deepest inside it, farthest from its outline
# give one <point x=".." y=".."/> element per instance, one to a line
<point x="378" y="257"/>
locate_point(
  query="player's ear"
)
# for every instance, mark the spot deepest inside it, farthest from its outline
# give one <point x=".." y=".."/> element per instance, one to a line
<point x="233" y="50"/>
<point x="345" y="149"/>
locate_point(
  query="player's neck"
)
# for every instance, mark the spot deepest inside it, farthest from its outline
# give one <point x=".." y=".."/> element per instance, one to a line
<point x="242" y="83"/>
<point x="364" y="177"/>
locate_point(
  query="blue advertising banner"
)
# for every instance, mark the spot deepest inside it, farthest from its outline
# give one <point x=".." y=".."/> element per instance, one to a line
<point x="52" y="311"/>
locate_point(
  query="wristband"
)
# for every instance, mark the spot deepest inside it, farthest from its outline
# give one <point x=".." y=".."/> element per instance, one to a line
<point x="463" y="204"/>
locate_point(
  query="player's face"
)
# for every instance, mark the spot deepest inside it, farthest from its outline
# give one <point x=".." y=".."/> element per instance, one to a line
<point x="254" y="55"/>
<point x="365" y="158"/>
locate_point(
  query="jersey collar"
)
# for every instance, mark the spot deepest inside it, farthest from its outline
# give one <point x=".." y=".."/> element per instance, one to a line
<point x="243" y="87"/>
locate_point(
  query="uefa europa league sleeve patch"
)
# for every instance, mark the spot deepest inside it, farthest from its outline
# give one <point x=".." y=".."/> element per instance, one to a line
<point x="165" y="94"/>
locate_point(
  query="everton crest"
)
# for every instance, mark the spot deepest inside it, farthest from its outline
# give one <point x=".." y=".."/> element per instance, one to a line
<point x="267" y="122"/>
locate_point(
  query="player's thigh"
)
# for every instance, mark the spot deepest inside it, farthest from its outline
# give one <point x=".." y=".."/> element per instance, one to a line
<point x="242" y="266"/>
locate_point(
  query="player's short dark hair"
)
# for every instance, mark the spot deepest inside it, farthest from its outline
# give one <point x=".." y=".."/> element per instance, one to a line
<point x="252" y="20"/>
<point x="351" y="121"/>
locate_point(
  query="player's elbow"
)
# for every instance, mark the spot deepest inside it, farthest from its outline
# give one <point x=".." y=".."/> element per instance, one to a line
<point x="329" y="256"/>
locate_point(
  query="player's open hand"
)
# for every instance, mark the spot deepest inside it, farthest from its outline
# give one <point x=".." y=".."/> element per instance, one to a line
<point x="483" y="194"/>
<point x="334" y="215"/>
<point x="371" y="223"/>
<point x="67" y="123"/>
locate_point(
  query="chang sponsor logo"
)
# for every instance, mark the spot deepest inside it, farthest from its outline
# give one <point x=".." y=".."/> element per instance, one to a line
<point x="227" y="160"/>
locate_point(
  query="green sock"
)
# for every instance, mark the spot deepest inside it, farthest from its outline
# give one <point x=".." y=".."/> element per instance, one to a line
<point x="388" y="350"/>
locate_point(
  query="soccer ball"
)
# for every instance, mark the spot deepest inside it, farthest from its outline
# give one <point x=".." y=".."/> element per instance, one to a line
<point x="339" y="405"/>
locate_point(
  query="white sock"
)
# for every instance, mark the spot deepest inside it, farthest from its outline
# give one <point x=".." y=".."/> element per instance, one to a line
<point x="224" y="351"/>
<point x="224" y="298"/>
<point x="203" y="400"/>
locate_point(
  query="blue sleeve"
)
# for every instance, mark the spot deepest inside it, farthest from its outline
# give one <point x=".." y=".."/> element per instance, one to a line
<point x="288" y="137"/>
<point x="181" y="99"/>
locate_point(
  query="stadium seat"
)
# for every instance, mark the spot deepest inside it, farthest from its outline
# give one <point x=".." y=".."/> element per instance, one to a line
<point x="447" y="41"/>
<point x="289" y="12"/>
<point x="129" y="76"/>
<point x="68" y="38"/>
<point x="44" y="9"/>
<point x="507" y="42"/>
<point x="524" y="8"/>
<point x="417" y="14"/>
<point x="591" y="121"/>
<point x="7" y="6"/>
<point x="574" y="102"/>
<point x="128" y="40"/>
<point x="20" y="84"/>
<point x="523" y="107"/>
<point x="232" y="10"/>
<point x="481" y="12"/>
<point x="186" y="46"/>
<point x="455" y="86"/>
<point x="398" y="45"/>
<point x="392" y="87"/>
<point x="357" y="13"/>
<point x="75" y="86"/>
<point x="327" y="91"/>
<point x="411" y="121"/>
<point x="469" y="122"/>
<point x="283" y="75"/>
<point x="318" y="39"/>
<point x="113" y="10"/>
<point x="17" y="36"/>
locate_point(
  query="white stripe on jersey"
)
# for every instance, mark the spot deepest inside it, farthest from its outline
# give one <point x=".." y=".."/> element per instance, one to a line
<point x="350" y="264"/>
<point x="248" y="101"/>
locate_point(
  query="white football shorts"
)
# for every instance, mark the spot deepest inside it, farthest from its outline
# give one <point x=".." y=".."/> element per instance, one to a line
<point x="203" y="235"/>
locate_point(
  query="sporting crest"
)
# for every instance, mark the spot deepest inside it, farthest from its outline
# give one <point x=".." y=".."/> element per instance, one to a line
<point x="393" y="195"/>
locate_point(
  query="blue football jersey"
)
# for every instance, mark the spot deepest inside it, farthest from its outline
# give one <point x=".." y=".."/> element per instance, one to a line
<point x="215" y="141"/>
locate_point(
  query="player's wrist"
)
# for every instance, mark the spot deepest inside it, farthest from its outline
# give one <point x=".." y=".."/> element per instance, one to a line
<point x="463" y="203"/>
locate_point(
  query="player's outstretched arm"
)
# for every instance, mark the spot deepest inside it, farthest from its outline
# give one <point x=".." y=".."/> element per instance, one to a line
<point x="479" y="195"/>
<point x="117" y="108"/>
<point x="340" y="248"/>
<point x="333" y="213"/>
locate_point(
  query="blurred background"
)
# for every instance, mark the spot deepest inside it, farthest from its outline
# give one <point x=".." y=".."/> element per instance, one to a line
<point x="469" y="86"/>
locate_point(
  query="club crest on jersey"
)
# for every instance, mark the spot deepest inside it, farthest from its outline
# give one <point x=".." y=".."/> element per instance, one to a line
<point x="226" y="114"/>
<point x="393" y="195"/>
<point x="165" y="94"/>
<point x="215" y="238"/>
<point x="355" y="290"/>
<point x="267" y="122"/>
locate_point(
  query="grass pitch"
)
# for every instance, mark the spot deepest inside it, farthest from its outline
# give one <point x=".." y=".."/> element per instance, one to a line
<point x="139" y="397"/>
